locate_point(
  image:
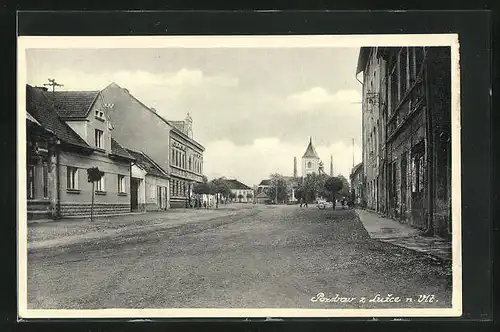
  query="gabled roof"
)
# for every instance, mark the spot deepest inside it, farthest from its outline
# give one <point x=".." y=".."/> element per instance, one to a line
<point x="39" y="106"/>
<point x="73" y="104"/>
<point x="310" y="151"/>
<point x="147" y="164"/>
<point x="237" y="185"/>
<point x="120" y="151"/>
<point x="262" y="195"/>
<point x="356" y="168"/>
<point x="265" y="183"/>
<point x="364" y="52"/>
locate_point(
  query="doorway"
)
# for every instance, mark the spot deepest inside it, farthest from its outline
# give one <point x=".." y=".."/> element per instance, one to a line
<point x="134" y="193"/>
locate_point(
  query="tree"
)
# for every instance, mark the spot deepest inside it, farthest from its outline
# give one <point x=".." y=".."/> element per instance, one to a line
<point x="346" y="190"/>
<point x="219" y="187"/>
<point x="232" y="196"/>
<point x="312" y="186"/>
<point x="202" y="188"/>
<point x="333" y="185"/>
<point x="278" y="190"/>
<point x="93" y="175"/>
<point x="249" y="196"/>
<point x="240" y="197"/>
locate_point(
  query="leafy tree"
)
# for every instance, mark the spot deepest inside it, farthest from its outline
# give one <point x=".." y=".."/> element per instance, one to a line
<point x="202" y="188"/>
<point x="220" y="188"/>
<point x="333" y="185"/>
<point x="232" y="196"/>
<point x="240" y="197"/>
<point x="249" y="196"/>
<point x="93" y="175"/>
<point x="312" y="186"/>
<point x="345" y="191"/>
<point x="278" y="188"/>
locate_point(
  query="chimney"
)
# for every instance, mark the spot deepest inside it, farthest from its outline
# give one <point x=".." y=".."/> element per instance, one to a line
<point x="331" y="165"/>
<point x="294" y="167"/>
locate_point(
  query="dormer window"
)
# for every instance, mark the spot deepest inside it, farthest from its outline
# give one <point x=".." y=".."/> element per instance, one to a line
<point x="99" y="114"/>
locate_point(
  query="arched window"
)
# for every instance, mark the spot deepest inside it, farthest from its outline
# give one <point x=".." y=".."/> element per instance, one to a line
<point x="190" y="163"/>
<point x="309" y="164"/>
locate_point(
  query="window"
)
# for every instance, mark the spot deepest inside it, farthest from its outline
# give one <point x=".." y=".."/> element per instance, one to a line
<point x="173" y="157"/>
<point x="100" y="184"/>
<point x="190" y="163"/>
<point x="121" y="184"/>
<point x="403" y="63"/>
<point x="309" y="164"/>
<point x="99" y="114"/>
<point x="99" y="141"/>
<point x="31" y="182"/>
<point x="71" y="177"/>
<point x="45" y="180"/>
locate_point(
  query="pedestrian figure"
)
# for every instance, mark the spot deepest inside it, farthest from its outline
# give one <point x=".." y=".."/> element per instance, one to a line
<point x="305" y="202"/>
<point x="300" y="201"/>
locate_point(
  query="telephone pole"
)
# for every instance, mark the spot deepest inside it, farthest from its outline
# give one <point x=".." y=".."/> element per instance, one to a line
<point x="353" y="153"/>
<point x="53" y="84"/>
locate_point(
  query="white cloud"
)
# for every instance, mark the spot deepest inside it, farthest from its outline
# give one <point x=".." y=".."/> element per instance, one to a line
<point x="318" y="97"/>
<point x="183" y="78"/>
<point x="252" y="163"/>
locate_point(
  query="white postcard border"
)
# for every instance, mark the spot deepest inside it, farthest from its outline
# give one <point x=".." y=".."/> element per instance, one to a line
<point x="289" y="41"/>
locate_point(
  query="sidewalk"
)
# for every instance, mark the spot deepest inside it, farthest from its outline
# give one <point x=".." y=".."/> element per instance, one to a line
<point x="390" y="231"/>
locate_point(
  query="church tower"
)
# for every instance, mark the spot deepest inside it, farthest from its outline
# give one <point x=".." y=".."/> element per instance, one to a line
<point x="310" y="160"/>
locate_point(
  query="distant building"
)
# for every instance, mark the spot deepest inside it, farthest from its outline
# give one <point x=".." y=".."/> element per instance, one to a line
<point x="242" y="192"/>
<point x="310" y="160"/>
<point x="357" y="185"/>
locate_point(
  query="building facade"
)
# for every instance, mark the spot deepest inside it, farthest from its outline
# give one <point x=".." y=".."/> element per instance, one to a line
<point x="357" y="185"/>
<point x="241" y="192"/>
<point x="186" y="162"/>
<point x="169" y="143"/>
<point x="410" y="113"/>
<point x="81" y="139"/>
<point x="149" y="184"/>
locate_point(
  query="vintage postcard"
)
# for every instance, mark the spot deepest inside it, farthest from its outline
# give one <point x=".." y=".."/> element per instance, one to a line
<point x="239" y="176"/>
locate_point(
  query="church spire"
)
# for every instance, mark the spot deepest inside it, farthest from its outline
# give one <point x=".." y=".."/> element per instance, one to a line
<point x="310" y="151"/>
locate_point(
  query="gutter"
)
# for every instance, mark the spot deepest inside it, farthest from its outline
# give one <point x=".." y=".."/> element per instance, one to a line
<point x="58" y="181"/>
<point x="428" y="153"/>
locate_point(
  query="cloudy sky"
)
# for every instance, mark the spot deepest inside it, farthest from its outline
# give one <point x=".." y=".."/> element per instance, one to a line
<point x="253" y="109"/>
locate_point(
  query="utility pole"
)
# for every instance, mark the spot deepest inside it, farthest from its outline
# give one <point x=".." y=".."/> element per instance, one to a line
<point x="353" y="153"/>
<point x="53" y="84"/>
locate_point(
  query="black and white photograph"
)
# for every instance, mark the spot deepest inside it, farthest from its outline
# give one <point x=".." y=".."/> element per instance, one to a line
<point x="239" y="176"/>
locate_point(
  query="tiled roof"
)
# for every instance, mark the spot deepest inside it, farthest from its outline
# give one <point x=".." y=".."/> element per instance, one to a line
<point x="118" y="150"/>
<point x="41" y="109"/>
<point x="356" y="168"/>
<point x="237" y="185"/>
<point x="177" y="124"/>
<point x="310" y="151"/>
<point x="265" y="183"/>
<point x="147" y="164"/>
<point x="73" y="104"/>
<point x="262" y="195"/>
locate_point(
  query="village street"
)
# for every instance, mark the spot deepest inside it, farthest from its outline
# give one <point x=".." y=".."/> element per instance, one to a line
<point x="243" y="255"/>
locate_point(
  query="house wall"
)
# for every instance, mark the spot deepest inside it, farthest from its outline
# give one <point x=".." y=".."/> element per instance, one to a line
<point x="140" y="174"/>
<point x="151" y="191"/>
<point x="183" y="176"/>
<point x="81" y="128"/>
<point x="374" y="77"/>
<point x="152" y="135"/>
<point x="243" y="192"/>
<point x="78" y="202"/>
